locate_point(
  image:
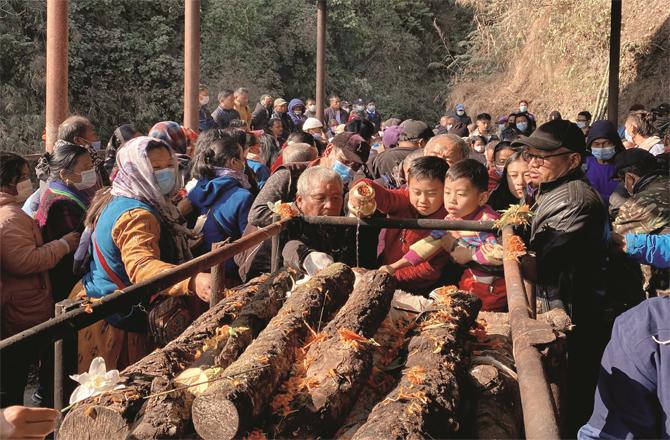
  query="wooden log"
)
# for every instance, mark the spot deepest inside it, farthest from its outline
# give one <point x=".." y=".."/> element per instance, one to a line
<point x="494" y="409"/>
<point x="169" y="415"/>
<point x="424" y="403"/>
<point x="339" y="361"/>
<point x="229" y="407"/>
<point x="111" y="415"/>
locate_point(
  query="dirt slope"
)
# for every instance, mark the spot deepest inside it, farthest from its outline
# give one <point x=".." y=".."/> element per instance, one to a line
<point x="555" y="54"/>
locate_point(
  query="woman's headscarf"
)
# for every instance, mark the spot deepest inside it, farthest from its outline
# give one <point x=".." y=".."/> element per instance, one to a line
<point x="135" y="179"/>
<point x="172" y="134"/>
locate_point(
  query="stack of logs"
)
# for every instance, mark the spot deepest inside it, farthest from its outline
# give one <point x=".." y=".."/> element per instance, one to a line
<point x="300" y="365"/>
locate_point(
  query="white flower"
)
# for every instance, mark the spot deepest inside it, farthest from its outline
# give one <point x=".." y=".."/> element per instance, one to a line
<point x="96" y="381"/>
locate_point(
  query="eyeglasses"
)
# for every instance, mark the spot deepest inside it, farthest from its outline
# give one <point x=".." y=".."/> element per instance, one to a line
<point x="527" y="156"/>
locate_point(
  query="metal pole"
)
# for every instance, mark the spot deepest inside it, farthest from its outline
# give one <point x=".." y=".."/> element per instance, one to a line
<point x="218" y="279"/>
<point x="191" y="62"/>
<point x="60" y="326"/>
<point x="320" y="58"/>
<point x="65" y="359"/>
<point x="615" y="52"/>
<point x="275" y="253"/>
<point x="539" y="412"/>
<point x="402" y="223"/>
<point x="56" y="87"/>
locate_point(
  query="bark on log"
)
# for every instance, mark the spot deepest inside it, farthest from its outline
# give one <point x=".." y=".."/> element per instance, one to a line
<point x="228" y="407"/>
<point x="424" y="403"/>
<point x="169" y="415"/>
<point x="112" y="415"/>
<point x="495" y="406"/>
<point x="339" y="367"/>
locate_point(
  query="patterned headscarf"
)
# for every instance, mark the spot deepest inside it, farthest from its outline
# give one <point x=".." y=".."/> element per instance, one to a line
<point x="135" y="179"/>
<point x="171" y="133"/>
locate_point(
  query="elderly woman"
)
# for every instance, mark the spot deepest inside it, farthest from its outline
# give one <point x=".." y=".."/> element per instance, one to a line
<point x="63" y="205"/>
<point x="513" y="185"/>
<point x="642" y="132"/>
<point x="137" y="235"/>
<point x="25" y="290"/>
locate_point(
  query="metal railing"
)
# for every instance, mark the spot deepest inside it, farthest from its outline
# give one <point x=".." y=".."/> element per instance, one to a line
<point x="539" y="411"/>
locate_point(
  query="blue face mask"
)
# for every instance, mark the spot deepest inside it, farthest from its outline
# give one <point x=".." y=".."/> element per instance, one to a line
<point x="166" y="178"/>
<point x="346" y="173"/>
<point x="603" y="153"/>
<point x="522" y="126"/>
<point x="628" y="137"/>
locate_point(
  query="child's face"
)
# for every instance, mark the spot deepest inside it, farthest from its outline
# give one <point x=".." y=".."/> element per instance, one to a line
<point x="462" y="198"/>
<point x="426" y="195"/>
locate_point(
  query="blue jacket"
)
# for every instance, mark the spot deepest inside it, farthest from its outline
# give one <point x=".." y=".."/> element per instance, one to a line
<point x="649" y="249"/>
<point x="228" y="204"/>
<point x="261" y="172"/>
<point x="633" y="395"/>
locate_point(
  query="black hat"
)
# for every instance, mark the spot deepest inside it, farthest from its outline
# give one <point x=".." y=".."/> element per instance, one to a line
<point x="555" y="134"/>
<point x="353" y="146"/>
<point x="414" y="130"/>
<point x="358" y="101"/>
<point x="635" y="156"/>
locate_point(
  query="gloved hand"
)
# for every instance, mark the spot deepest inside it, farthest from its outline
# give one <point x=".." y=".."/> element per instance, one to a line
<point x="315" y="261"/>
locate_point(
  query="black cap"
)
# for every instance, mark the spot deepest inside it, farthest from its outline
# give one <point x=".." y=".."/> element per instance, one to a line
<point x="635" y="156"/>
<point x="555" y="134"/>
<point x="358" y="101"/>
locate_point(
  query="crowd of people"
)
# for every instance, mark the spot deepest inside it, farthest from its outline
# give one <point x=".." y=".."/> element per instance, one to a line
<point x="596" y="243"/>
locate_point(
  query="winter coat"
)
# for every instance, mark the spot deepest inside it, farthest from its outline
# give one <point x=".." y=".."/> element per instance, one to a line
<point x="601" y="177"/>
<point x="205" y="121"/>
<point x="633" y="396"/>
<point x="260" y="117"/>
<point x="649" y="249"/>
<point x="223" y="116"/>
<point x="375" y="118"/>
<point x="568" y="234"/>
<point x="226" y="204"/>
<point x="25" y="289"/>
<point x="287" y="124"/>
<point x="261" y="172"/>
<point x="648" y="212"/>
<point x="62" y="210"/>
<point x="396" y="242"/>
<point x="329" y="114"/>
<point x="297" y="120"/>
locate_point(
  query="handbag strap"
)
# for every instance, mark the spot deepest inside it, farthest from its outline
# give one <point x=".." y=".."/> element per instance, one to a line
<point x="105" y="266"/>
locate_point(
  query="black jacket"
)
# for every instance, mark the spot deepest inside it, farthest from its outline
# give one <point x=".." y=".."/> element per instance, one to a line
<point x="260" y="117"/>
<point x="223" y="116"/>
<point x="569" y="237"/>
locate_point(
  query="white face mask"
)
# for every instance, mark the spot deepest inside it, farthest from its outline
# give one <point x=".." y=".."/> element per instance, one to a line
<point x="479" y="148"/>
<point x="88" y="179"/>
<point x="311" y="108"/>
<point x="24" y="189"/>
<point x="204" y="100"/>
<point x="523" y="108"/>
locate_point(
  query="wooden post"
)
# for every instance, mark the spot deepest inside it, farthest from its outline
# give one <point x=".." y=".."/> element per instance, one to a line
<point x="65" y="360"/>
<point x="56" y="87"/>
<point x="218" y="279"/>
<point x="615" y="52"/>
<point x="191" y="62"/>
<point x="320" y="58"/>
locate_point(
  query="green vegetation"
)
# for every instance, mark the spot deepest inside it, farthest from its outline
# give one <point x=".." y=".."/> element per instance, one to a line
<point x="126" y="56"/>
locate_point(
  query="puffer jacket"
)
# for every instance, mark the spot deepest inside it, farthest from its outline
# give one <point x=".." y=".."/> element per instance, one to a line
<point x="25" y="290"/>
<point x="569" y="236"/>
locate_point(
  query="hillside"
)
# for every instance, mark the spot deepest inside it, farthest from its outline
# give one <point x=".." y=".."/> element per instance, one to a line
<point x="555" y="54"/>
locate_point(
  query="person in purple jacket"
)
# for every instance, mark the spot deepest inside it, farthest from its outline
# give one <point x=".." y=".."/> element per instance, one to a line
<point x="604" y="143"/>
<point x="633" y="395"/>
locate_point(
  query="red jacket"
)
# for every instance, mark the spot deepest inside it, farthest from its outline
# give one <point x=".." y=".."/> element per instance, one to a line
<point x="396" y="242"/>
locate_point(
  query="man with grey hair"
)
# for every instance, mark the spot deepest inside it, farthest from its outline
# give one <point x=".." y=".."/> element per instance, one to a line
<point x="299" y="152"/>
<point x="242" y="105"/>
<point x="262" y="113"/>
<point x="312" y="248"/>
<point x="449" y="147"/>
